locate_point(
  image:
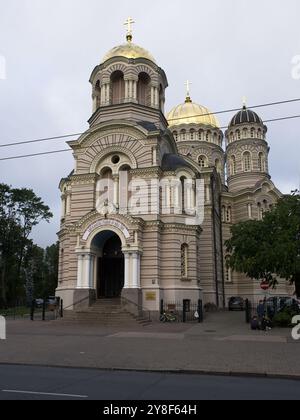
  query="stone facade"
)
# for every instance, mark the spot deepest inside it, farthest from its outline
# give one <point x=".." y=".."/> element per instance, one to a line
<point x="129" y="220"/>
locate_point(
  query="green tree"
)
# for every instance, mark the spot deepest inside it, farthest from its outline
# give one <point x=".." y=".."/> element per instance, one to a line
<point x="20" y="211"/>
<point x="269" y="249"/>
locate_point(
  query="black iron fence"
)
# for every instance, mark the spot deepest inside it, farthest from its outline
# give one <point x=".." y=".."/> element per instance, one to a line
<point x="181" y="311"/>
<point x="38" y="310"/>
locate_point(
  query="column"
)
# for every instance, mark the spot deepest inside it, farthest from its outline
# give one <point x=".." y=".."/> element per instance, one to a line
<point x="79" y="272"/>
<point x="126" y="90"/>
<point x="154" y="155"/>
<point x="152" y="97"/>
<point x="250" y="211"/>
<point x="188" y="185"/>
<point x="135" y="271"/>
<point x="86" y="271"/>
<point x="207" y="193"/>
<point x="134" y="94"/>
<point x="68" y="204"/>
<point x="176" y="198"/>
<point x="116" y="191"/>
<point x="103" y="95"/>
<point x="92" y="270"/>
<point x="63" y="206"/>
<point x="126" y="271"/>
<point x="156" y="97"/>
<point x="107" y="94"/>
<point x="94" y="104"/>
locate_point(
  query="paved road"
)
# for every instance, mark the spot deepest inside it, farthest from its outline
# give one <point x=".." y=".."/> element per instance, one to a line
<point x="26" y="382"/>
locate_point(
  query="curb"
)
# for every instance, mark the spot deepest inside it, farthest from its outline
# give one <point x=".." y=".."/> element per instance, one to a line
<point x="202" y="372"/>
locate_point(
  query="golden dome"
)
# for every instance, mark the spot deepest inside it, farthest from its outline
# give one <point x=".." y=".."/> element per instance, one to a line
<point x="191" y="113"/>
<point x="128" y="50"/>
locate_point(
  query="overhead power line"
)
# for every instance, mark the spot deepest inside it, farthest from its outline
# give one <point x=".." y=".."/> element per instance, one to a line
<point x="70" y="150"/>
<point x="39" y="140"/>
<point x="36" y="154"/>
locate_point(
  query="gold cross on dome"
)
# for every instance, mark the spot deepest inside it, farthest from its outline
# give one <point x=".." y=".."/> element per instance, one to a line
<point x="129" y="22"/>
<point x="188" y="85"/>
<point x="188" y="91"/>
<point x="244" y="102"/>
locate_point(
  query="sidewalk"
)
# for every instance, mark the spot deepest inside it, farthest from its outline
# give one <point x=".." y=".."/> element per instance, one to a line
<point x="224" y="344"/>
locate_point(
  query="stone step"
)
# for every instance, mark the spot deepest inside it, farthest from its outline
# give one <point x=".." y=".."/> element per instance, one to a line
<point x="105" y="312"/>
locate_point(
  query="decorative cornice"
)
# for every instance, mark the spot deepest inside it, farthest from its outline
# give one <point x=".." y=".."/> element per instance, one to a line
<point x="147" y="172"/>
<point x="83" y="179"/>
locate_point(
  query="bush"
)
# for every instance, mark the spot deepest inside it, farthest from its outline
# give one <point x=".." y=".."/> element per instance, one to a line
<point x="283" y="319"/>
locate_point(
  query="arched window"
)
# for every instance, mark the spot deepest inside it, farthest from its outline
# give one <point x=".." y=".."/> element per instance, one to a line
<point x="245" y="133"/>
<point x="125" y="194"/>
<point x="203" y="161"/>
<point x="228" y="271"/>
<point x="261" y="162"/>
<point x="143" y="89"/>
<point x="184" y="261"/>
<point x="259" y="133"/>
<point x="260" y="211"/>
<point x="192" y="135"/>
<point x="232" y="165"/>
<point x="183" y="199"/>
<point x="98" y="95"/>
<point x="231" y="137"/>
<point x="252" y="133"/>
<point x="183" y="135"/>
<point x="223" y="214"/>
<point x="247" y="161"/>
<point x="117" y="88"/>
<point x="105" y="187"/>
<point x="238" y="134"/>
<point x="208" y="136"/>
<point x="201" y="135"/>
<point x="175" y="135"/>
<point x="218" y="165"/>
<point x="228" y="215"/>
<point x="161" y="98"/>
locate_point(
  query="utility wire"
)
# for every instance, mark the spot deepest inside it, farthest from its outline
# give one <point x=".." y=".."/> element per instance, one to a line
<point x="179" y="118"/>
<point x="37" y="154"/>
<point x="238" y="109"/>
<point x="70" y="150"/>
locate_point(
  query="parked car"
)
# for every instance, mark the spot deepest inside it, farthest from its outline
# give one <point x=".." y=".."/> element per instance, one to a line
<point x="236" y="303"/>
<point x="278" y="304"/>
<point x="39" y="303"/>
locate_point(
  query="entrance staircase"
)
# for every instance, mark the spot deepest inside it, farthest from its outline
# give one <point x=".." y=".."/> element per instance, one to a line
<point x="106" y="312"/>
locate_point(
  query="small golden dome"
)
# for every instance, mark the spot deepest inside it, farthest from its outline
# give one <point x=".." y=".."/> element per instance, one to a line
<point x="192" y="113"/>
<point x="128" y="50"/>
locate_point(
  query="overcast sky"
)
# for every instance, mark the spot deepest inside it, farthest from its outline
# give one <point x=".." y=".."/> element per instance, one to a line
<point x="227" y="48"/>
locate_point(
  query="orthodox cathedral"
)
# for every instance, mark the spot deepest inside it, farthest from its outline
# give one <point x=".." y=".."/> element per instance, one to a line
<point x="129" y="224"/>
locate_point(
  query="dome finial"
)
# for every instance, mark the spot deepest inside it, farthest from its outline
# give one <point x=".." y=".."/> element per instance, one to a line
<point x="188" y="92"/>
<point x="244" y="102"/>
<point x="129" y="22"/>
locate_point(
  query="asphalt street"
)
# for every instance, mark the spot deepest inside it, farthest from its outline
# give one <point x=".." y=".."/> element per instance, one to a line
<point x="43" y="383"/>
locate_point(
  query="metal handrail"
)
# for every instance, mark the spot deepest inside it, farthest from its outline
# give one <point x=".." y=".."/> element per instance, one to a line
<point x="76" y="303"/>
<point x="140" y="308"/>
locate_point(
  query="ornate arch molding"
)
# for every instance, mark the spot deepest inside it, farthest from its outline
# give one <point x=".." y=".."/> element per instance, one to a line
<point x="143" y="68"/>
<point x="113" y="149"/>
<point x="106" y="129"/>
<point x="93" y="223"/>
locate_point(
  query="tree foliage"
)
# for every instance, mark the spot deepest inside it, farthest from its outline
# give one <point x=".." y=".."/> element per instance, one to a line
<point x="269" y="249"/>
<point x="20" y="211"/>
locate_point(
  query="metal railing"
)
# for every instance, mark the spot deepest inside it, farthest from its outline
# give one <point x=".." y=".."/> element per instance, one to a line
<point x="184" y="311"/>
<point x="136" y="309"/>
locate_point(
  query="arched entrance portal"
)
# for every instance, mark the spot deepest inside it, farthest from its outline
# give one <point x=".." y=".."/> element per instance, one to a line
<point x="110" y="267"/>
